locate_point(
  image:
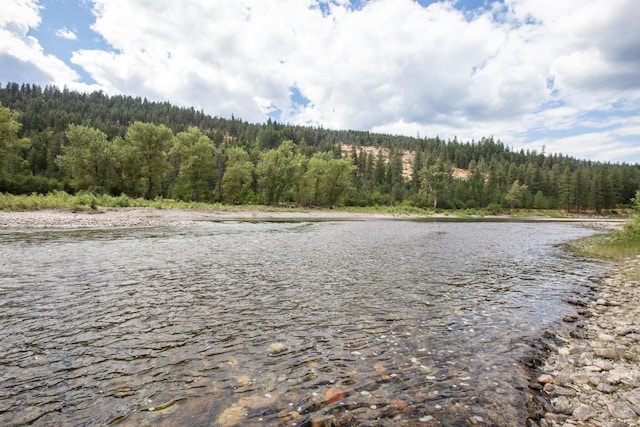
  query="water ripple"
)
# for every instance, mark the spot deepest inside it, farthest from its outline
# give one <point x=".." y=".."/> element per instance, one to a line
<point x="352" y="323"/>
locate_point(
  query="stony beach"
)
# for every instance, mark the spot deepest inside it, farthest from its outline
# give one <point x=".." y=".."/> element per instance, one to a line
<point x="153" y="217"/>
<point x="589" y="370"/>
<point x="156" y="217"/>
<point x="591" y="375"/>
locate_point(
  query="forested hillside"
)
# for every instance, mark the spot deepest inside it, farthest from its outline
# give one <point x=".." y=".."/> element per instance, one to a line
<point x="52" y="139"/>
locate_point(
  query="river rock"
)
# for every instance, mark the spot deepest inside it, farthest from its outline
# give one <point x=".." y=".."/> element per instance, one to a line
<point x="333" y="395"/>
<point x="578" y="334"/>
<point x="231" y="416"/>
<point x="583" y="413"/>
<point x="277" y="347"/>
<point x="399" y="406"/>
<point x="606" y="337"/>
<point x="633" y="397"/>
<point x="607" y="353"/>
<point x="617" y="375"/>
<point x="256" y="401"/>
<point x="562" y="405"/>
<point x="545" y="379"/>
<point x="476" y="419"/>
<point x="563" y="391"/>
<point x="316" y="421"/>
<point x="606" y="388"/>
<point x="621" y="411"/>
<point x="563" y="379"/>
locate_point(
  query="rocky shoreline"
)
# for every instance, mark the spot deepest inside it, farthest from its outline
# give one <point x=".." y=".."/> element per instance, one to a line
<point x="590" y="374"/>
<point x="157" y="217"/>
<point x="154" y="217"/>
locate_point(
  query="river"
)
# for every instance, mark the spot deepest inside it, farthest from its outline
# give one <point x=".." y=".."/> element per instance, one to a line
<point x="381" y="322"/>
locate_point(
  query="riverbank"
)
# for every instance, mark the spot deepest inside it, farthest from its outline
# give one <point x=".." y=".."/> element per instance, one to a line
<point x="154" y="217"/>
<point x="160" y="217"/>
<point x="591" y="374"/>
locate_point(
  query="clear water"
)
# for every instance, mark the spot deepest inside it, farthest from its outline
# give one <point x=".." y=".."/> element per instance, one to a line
<point x="261" y="323"/>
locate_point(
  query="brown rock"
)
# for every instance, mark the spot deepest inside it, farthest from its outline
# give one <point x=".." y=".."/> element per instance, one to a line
<point x="333" y="395"/>
<point x="545" y="379"/>
<point x="476" y="419"/>
<point x="231" y="416"/>
<point x="398" y="406"/>
<point x="607" y="353"/>
<point x="321" y="421"/>
<point x="256" y="401"/>
<point x="563" y="379"/>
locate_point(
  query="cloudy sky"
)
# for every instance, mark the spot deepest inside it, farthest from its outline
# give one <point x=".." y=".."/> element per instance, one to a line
<point x="558" y="74"/>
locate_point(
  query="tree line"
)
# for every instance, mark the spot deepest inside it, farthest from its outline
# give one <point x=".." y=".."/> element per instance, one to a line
<point x="52" y="139"/>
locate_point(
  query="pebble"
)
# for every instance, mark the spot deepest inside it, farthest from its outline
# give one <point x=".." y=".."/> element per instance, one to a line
<point x="333" y="395"/>
<point x="475" y="420"/>
<point x="545" y="379"/>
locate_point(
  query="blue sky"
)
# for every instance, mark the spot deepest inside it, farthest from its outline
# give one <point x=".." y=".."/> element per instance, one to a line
<point x="563" y="76"/>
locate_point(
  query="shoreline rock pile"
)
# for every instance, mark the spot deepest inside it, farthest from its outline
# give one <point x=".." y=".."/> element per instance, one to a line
<point x="592" y="376"/>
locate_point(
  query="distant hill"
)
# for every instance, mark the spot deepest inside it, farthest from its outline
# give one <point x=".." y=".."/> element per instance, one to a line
<point x="384" y="169"/>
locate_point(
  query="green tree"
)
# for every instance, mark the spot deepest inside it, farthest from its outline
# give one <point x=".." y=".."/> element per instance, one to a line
<point x="515" y="195"/>
<point x="196" y="160"/>
<point x="238" y="176"/>
<point x="436" y="179"/>
<point x="566" y="194"/>
<point x="325" y="180"/>
<point x="151" y="144"/>
<point x="87" y="159"/>
<point x="380" y="170"/>
<point x="122" y="158"/>
<point x="581" y="185"/>
<point x="337" y="179"/>
<point x="11" y="145"/>
<point x="276" y="171"/>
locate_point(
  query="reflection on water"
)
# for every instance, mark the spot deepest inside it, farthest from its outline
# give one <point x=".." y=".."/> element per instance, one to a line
<point x="328" y="323"/>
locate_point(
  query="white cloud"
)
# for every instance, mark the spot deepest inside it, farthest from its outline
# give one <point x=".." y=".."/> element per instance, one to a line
<point x="20" y="15"/>
<point x="517" y="71"/>
<point x="66" y="33"/>
<point x="25" y="52"/>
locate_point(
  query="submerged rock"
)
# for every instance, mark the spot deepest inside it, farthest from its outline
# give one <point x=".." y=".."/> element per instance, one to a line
<point x="231" y="416"/>
<point x="333" y="395"/>
<point x="277" y="347"/>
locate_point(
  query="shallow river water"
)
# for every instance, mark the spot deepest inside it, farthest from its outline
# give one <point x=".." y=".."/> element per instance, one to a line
<point x="279" y="323"/>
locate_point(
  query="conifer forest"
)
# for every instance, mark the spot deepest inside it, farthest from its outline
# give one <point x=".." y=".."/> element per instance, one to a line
<point x="54" y="139"/>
